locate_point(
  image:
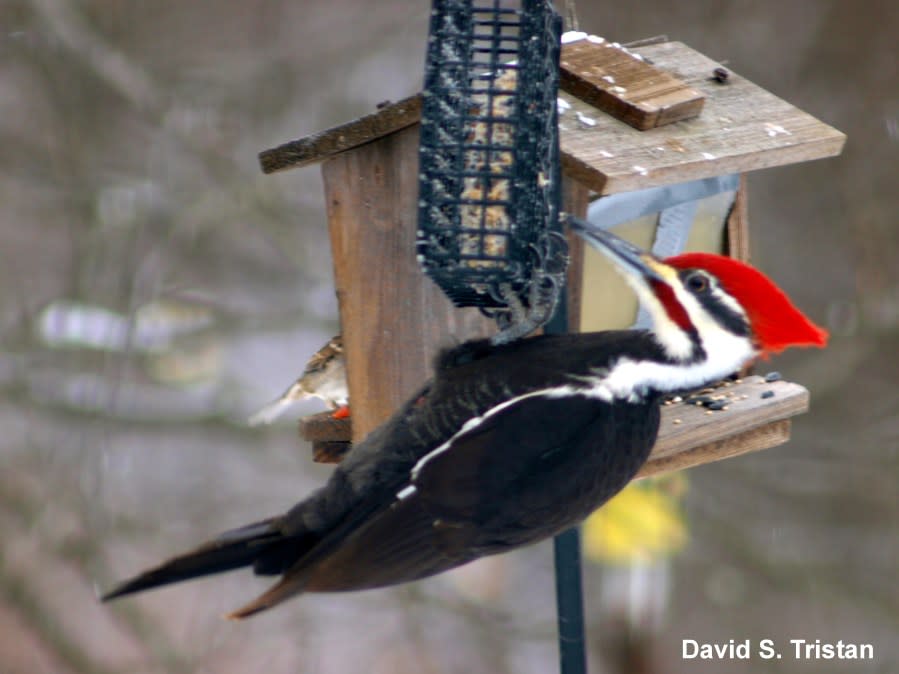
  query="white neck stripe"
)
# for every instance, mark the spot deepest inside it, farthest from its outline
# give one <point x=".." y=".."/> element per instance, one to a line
<point x="628" y="380"/>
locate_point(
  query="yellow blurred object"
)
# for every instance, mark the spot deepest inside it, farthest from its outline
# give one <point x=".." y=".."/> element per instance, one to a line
<point x="643" y="523"/>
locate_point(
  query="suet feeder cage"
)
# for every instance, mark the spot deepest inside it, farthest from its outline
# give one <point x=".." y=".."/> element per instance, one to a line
<point x="655" y="141"/>
<point x="489" y="160"/>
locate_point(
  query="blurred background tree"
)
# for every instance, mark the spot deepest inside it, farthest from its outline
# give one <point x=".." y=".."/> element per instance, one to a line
<point x="155" y="288"/>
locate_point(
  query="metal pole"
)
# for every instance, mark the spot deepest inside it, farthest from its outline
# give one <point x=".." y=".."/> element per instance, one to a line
<point x="567" y="557"/>
<point x="570" y="602"/>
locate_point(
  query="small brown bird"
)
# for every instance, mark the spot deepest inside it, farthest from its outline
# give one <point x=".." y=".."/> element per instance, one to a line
<point x="324" y="377"/>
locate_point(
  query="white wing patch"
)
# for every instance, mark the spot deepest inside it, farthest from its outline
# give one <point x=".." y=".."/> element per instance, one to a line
<point x="627" y="380"/>
<point x="474" y="423"/>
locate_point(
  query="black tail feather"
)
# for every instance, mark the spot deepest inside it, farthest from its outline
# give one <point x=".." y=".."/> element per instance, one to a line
<point x="232" y="550"/>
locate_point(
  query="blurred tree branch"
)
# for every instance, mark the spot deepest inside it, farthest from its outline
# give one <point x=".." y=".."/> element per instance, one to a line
<point x="113" y="66"/>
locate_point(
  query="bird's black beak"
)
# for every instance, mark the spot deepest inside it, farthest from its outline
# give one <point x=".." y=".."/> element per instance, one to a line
<point x="623" y="253"/>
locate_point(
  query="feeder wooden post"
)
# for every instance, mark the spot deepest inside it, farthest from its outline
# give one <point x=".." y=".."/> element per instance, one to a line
<point x="394" y="318"/>
<point x="575" y="199"/>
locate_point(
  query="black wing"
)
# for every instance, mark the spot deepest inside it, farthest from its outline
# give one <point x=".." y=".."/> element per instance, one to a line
<point x="523" y="474"/>
<point x="536" y="468"/>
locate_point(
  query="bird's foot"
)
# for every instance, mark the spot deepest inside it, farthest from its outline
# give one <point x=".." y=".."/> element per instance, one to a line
<point x="543" y="291"/>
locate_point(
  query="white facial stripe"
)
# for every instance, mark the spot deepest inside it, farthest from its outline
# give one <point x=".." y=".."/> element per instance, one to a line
<point x="626" y="380"/>
<point x="719" y="343"/>
<point x="694" y="307"/>
<point x="728" y="301"/>
<point x="676" y="343"/>
<point x="727" y="354"/>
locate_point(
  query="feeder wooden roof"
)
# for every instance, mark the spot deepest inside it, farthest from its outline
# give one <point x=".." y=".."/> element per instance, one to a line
<point x="741" y="128"/>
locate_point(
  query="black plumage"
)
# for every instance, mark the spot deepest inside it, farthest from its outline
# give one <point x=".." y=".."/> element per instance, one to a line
<point x="525" y="452"/>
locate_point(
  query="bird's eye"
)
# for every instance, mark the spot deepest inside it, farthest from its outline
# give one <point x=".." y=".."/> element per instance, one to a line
<point x="698" y="282"/>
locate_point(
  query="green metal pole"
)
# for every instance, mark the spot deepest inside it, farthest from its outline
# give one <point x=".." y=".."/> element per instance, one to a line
<point x="570" y="602"/>
<point x="567" y="557"/>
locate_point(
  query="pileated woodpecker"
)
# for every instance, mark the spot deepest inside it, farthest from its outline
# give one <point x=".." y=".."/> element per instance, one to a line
<point x="509" y="444"/>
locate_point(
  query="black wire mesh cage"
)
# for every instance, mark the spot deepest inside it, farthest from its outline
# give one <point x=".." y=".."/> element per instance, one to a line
<point x="489" y="183"/>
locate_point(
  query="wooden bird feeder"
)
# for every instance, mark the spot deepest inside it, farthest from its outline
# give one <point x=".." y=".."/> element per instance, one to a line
<point x="651" y="134"/>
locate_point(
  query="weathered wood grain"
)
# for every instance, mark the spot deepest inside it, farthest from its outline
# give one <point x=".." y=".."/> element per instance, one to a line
<point x="742" y="128"/>
<point x="393" y="318"/>
<point x="748" y="424"/>
<point x="575" y="200"/>
<point x="762" y="437"/>
<point x="323" y="427"/>
<point x="330" y="451"/>
<point x="613" y="79"/>
<point x="737" y="234"/>
<point x="319" y="146"/>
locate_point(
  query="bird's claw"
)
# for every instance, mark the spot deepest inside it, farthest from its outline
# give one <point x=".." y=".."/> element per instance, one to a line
<point x="543" y="291"/>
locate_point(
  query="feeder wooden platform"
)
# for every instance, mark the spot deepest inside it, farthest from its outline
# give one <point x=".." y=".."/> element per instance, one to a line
<point x="689" y="435"/>
<point x="747" y="424"/>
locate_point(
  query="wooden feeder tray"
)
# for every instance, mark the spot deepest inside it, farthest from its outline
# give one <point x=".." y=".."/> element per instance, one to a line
<point x="757" y="417"/>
